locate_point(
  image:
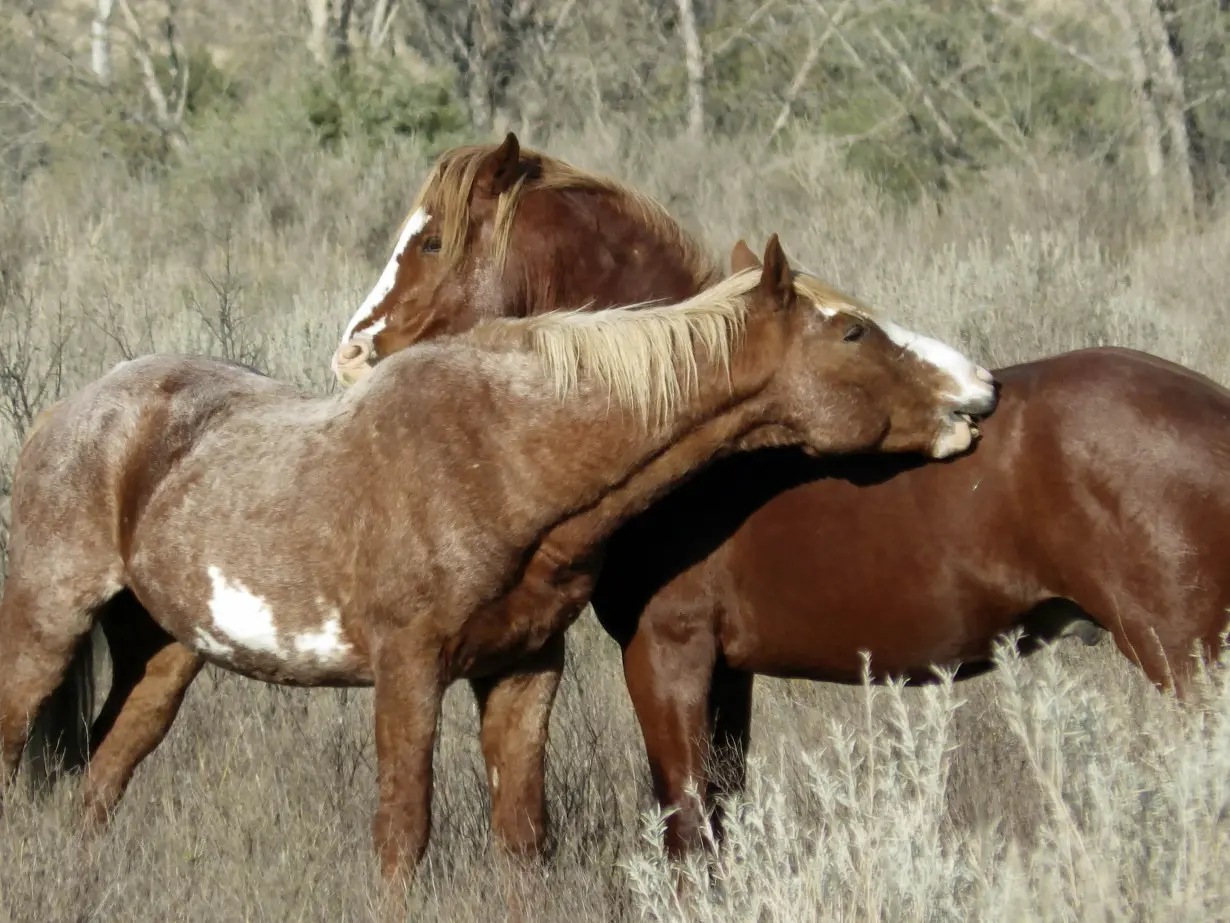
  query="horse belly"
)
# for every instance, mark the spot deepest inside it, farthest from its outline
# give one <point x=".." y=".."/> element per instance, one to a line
<point x="808" y="594"/>
<point x="239" y="618"/>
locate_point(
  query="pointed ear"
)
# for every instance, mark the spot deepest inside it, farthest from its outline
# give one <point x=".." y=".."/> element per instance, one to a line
<point x="775" y="278"/>
<point x="742" y="257"/>
<point x="501" y="168"/>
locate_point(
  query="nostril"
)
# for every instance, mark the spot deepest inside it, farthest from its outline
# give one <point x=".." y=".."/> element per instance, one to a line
<point x="350" y="352"/>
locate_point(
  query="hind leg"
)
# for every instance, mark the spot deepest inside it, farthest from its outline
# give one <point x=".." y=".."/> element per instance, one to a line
<point x="730" y="717"/>
<point x="1166" y="660"/>
<point x="515" y="711"/>
<point x="41" y="629"/>
<point x="152" y="672"/>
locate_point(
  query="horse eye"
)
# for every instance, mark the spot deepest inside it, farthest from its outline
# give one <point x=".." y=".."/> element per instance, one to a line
<point x="431" y="245"/>
<point x="855" y="333"/>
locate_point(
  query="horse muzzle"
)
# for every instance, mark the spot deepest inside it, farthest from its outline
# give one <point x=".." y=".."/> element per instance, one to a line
<point x="354" y="360"/>
<point x="957" y="434"/>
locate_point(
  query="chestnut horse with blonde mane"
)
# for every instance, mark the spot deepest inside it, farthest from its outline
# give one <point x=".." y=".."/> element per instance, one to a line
<point x="1095" y="499"/>
<point x="443" y="519"/>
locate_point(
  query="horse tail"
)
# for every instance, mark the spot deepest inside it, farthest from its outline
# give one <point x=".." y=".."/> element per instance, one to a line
<point x="59" y="739"/>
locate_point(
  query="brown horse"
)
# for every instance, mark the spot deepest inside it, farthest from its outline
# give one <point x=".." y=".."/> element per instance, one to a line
<point x="443" y="519"/>
<point x="1096" y="496"/>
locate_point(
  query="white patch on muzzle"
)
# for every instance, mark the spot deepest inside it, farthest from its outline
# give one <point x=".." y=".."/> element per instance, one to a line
<point x="413" y="227"/>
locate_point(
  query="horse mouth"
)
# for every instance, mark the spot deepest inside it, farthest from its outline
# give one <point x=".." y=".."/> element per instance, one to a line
<point x="958" y="434"/>
<point x="354" y="361"/>
<point x="972" y="422"/>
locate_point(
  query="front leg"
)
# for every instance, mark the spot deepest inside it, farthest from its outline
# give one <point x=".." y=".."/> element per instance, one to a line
<point x="515" y="710"/>
<point x="409" y="689"/>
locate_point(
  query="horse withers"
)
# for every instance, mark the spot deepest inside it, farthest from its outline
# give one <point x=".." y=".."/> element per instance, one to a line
<point x="193" y="507"/>
<point x="1095" y="501"/>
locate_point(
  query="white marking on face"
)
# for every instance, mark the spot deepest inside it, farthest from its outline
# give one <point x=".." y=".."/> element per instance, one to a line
<point x="241" y="616"/>
<point x="495" y="778"/>
<point x="971" y="383"/>
<point x="326" y="644"/>
<point x="414" y="226"/>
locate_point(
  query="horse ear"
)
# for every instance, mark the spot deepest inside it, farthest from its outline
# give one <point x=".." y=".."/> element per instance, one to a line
<point x="742" y="257"/>
<point x="501" y="168"/>
<point x="776" y="280"/>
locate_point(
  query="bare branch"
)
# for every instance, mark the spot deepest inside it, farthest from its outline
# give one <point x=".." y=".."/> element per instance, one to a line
<point x="1045" y="37"/>
<point x="946" y="131"/>
<point x="167" y="121"/>
<point x="742" y="30"/>
<point x="814" y="47"/>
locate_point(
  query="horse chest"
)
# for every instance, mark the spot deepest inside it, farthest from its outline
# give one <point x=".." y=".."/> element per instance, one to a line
<point x="517" y="625"/>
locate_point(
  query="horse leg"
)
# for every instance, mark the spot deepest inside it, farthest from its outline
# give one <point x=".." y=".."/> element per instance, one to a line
<point x="151" y="674"/>
<point x="515" y="711"/>
<point x="1160" y="646"/>
<point x="730" y="717"/>
<point x="409" y="690"/>
<point x="43" y="629"/>
<point x="1167" y="662"/>
<point x="669" y="680"/>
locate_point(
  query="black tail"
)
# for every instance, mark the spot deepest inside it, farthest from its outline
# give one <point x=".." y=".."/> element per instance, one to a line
<point x="59" y="741"/>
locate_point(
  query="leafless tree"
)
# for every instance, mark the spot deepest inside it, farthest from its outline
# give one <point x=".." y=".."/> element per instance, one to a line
<point x="694" y="62"/>
<point x="100" y="40"/>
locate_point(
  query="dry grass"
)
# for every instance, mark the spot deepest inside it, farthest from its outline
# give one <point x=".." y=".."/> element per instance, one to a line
<point x="1061" y="788"/>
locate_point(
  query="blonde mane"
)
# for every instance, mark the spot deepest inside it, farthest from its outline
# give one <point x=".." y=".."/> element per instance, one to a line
<point x="643" y="354"/>
<point x="828" y="298"/>
<point x="446" y="193"/>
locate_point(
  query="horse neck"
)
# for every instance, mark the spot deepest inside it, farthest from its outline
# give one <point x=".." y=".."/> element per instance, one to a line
<point x="591" y="457"/>
<point x="626" y="263"/>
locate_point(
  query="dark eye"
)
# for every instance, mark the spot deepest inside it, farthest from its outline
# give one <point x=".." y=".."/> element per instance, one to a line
<point x="431" y="245"/>
<point x="855" y="333"/>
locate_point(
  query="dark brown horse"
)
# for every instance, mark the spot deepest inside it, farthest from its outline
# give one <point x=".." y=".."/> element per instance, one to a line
<point x="444" y="519"/>
<point x="1097" y="496"/>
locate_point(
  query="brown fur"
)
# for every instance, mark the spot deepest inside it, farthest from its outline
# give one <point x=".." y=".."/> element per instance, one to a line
<point x="444" y="519"/>
<point x="475" y="195"/>
<point x="1094" y="503"/>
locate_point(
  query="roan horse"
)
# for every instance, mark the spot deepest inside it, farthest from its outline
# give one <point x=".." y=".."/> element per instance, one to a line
<point x="194" y="507"/>
<point x="1096" y="496"/>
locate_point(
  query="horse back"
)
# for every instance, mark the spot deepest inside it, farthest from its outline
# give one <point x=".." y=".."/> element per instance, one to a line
<point x="92" y="461"/>
<point x="1098" y="468"/>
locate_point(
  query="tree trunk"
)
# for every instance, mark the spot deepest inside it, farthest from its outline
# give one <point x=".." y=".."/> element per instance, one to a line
<point x="1169" y="98"/>
<point x="100" y="41"/>
<point x="329" y="34"/>
<point x="1150" y="128"/>
<point x="318" y="32"/>
<point x="694" y="61"/>
<point x="1176" y="62"/>
<point x="341" y="31"/>
<point x="382" y="18"/>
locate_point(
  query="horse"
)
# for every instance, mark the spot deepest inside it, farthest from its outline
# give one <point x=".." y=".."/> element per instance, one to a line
<point x="1093" y="503"/>
<point x="204" y="512"/>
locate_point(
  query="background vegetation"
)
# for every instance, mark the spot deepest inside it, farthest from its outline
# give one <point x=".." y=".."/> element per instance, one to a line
<point x="1021" y="178"/>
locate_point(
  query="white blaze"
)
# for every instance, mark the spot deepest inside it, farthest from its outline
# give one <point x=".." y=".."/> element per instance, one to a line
<point x="414" y="226"/>
<point x="972" y="384"/>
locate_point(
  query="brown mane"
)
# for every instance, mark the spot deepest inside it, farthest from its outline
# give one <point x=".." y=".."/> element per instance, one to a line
<point x="447" y="191"/>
